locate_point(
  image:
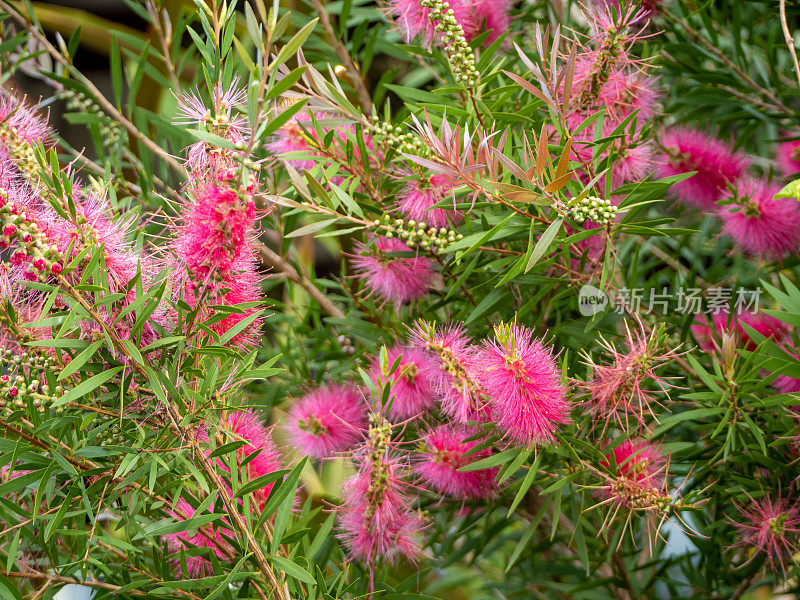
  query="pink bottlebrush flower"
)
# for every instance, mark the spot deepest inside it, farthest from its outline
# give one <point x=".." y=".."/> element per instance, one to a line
<point x="397" y="279"/>
<point x="786" y="384"/>
<point x="327" y="420"/>
<point x="787" y="157"/>
<point x="241" y="284"/>
<point x="722" y="321"/>
<point x="454" y="374"/>
<point x="761" y="224"/>
<point x="20" y="123"/>
<point x="638" y="475"/>
<point x="375" y="519"/>
<point x="412" y="388"/>
<point x="624" y="388"/>
<point x="626" y="92"/>
<point x="717" y="166"/>
<point x="216" y="231"/>
<point x="94" y="227"/>
<point x="413" y="18"/>
<point x="488" y="15"/>
<point x="300" y="135"/>
<point x="291" y="137"/>
<point x="618" y="90"/>
<point x="417" y="199"/>
<point x="443" y="452"/>
<point x="245" y="425"/>
<point x="634" y="161"/>
<point x="522" y="380"/>
<point x="192" y="109"/>
<point x="769" y="529"/>
<point x="206" y="537"/>
<point x="202" y="159"/>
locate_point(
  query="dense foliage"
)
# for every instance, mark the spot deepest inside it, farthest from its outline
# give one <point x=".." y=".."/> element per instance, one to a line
<point x="430" y="299"/>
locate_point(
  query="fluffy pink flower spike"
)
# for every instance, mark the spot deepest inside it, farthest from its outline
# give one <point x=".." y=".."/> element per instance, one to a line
<point x="761" y="224"/>
<point x="454" y="373"/>
<point x="412" y="390"/>
<point x="207" y="537"/>
<point x="375" y="518"/>
<point x="396" y="279"/>
<point x="327" y="420"/>
<point x="443" y="452"/>
<point x="715" y="163"/>
<point x="522" y="380"/>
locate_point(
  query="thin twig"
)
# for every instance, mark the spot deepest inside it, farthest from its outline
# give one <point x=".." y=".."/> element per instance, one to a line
<point x="353" y="71"/>
<point x="778" y="105"/>
<point x="277" y="261"/>
<point x="107" y="106"/>
<point x="787" y="35"/>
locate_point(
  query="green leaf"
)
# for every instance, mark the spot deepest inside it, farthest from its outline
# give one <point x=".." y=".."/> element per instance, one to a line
<point x="86" y="387"/>
<point x="76" y="363"/>
<point x="543" y="243"/>
<point x="291" y="568"/>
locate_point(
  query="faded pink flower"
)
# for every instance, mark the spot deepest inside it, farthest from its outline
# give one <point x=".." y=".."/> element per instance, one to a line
<point x="761" y="224"/>
<point x="301" y="135"/>
<point x="786" y="384"/>
<point x="717" y="166"/>
<point x="453" y="375"/>
<point x="375" y="519"/>
<point x="418" y="197"/>
<point x="722" y="321"/>
<point x="207" y="536"/>
<point x="204" y="159"/>
<point x="649" y="6"/>
<point x="94" y="227"/>
<point x="392" y="278"/>
<point x="412" y="389"/>
<point x="443" y="452"/>
<point x="327" y="420"/>
<point x="522" y="380"/>
<point x="624" y="388"/>
<point x="787" y="157"/>
<point x="769" y="528"/>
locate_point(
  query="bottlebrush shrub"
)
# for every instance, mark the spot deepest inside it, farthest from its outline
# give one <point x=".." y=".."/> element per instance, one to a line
<point x="431" y="299"/>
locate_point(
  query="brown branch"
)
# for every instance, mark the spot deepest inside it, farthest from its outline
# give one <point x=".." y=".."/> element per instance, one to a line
<point x="277" y="261"/>
<point x="24" y="21"/>
<point x="787" y="35"/>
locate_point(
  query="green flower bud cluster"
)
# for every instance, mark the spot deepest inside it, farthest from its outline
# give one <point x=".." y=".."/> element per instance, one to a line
<point x="112" y="434"/>
<point x="18" y="392"/>
<point x="592" y="208"/>
<point x="80" y="103"/>
<point x="393" y="137"/>
<point x="417" y="234"/>
<point x="20" y="151"/>
<point x="459" y="54"/>
<point x="379" y="434"/>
